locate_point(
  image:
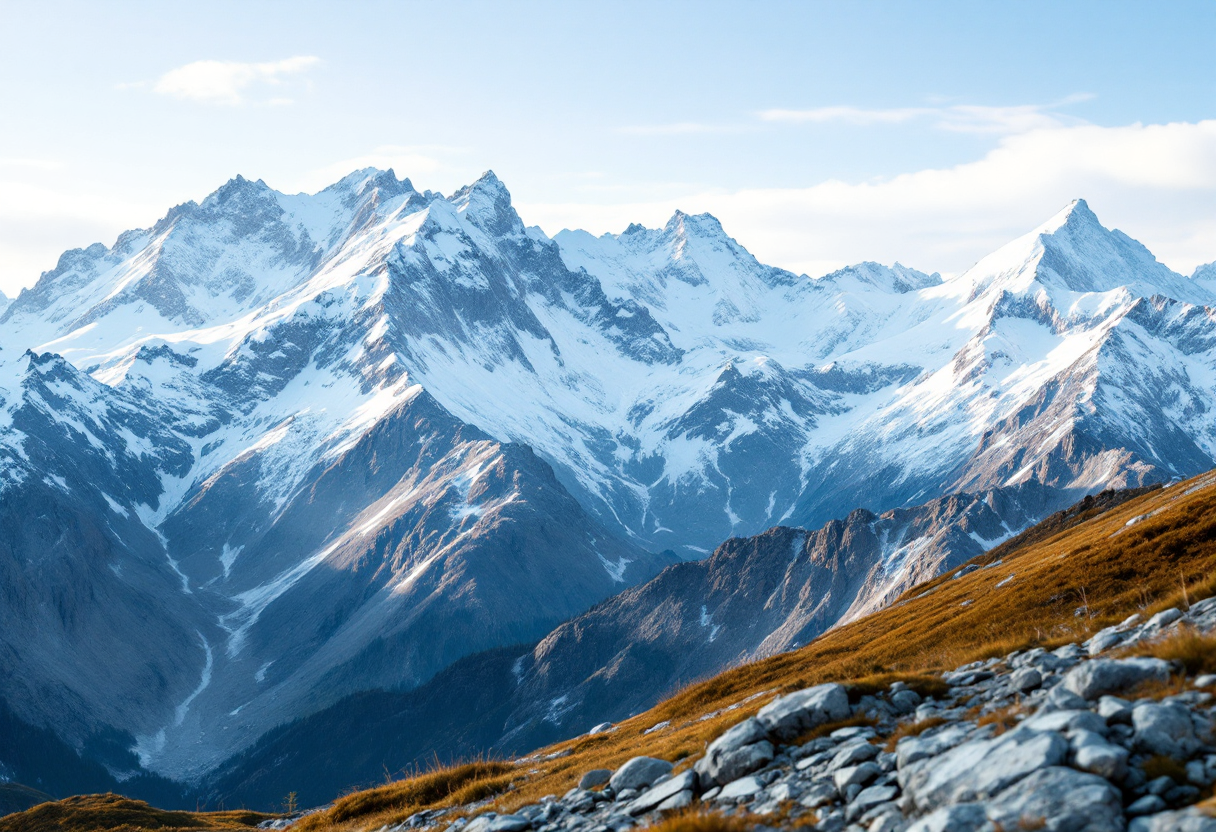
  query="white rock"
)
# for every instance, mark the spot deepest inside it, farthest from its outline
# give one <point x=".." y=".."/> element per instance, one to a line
<point x="662" y="792"/>
<point x="788" y="716"/>
<point x="1164" y="728"/>
<point x="743" y="787"/>
<point x="638" y="772"/>
<point x="979" y="769"/>
<point x="1062" y="798"/>
<point x="857" y="775"/>
<point x="1101" y="676"/>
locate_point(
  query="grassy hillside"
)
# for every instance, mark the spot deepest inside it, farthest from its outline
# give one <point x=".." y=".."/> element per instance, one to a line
<point x="93" y="813"/>
<point x="1078" y="572"/>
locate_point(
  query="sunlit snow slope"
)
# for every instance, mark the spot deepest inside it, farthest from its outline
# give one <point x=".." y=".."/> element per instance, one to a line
<point x="333" y="442"/>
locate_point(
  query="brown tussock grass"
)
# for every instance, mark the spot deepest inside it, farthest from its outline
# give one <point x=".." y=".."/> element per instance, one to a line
<point x="912" y="729"/>
<point x="394" y="802"/>
<point x="694" y="819"/>
<point x="1159" y="765"/>
<point x="114" y="813"/>
<point x="1004" y="719"/>
<point x="1196" y="652"/>
<point x="858" y="721"/>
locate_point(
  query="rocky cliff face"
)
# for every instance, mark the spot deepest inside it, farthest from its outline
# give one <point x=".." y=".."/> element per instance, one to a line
<point x="278" y="449"/>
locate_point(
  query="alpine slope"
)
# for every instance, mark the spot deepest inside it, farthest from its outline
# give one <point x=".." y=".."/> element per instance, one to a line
<point x="279" y="449"/>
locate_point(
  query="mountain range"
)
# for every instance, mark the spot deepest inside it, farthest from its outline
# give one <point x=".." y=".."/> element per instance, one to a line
<point x="279" y="451"/>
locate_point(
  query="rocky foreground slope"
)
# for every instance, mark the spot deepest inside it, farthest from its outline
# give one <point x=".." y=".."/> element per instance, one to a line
<point x="1068" y="740"/>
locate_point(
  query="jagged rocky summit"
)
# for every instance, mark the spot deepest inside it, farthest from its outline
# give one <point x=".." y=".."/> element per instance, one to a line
<point x="281" y="449"/>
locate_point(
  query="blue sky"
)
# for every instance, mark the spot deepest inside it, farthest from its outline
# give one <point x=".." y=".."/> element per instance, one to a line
<point x="820" y="133"/>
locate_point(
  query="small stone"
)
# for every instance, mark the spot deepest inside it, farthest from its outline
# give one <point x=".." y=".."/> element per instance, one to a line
<point x="1164" y="729"/>
<point x="962" y="817"/>
<point x="1102" y="758"/>
<point x="595" y="777"/>
<point x="509" y="823"/>
<point x="857" y="775"/>
<point x="1197" y="773"/>
<point x="905" y="701"/>
<point x="1207" y="680"/>
<point x="677" y="801"/>
<point x="867" y="799"/>
<point x="712" y="793"/>
<point x="661" y="792"/>
<point x="1188" y="820"/>
<point x="1066" y="722"/>
<point x="1163" y="618"/>
<point x="1150" y="804"/>
<point x="1026" y="679"/>
<point x="1159" y="785"/>
<point x="819" y="794"/>
<point x="638" y="773"/>
<point x="1104" y="640"/>
<point x="1060" y="698"/>
<point x="743" y="787"/>
<point x="1115" y="710"/>
<point x="852" y="754"/>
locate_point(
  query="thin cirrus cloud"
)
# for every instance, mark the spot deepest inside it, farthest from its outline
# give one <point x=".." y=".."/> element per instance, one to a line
<point x="959" y="118"/>
<point x="233" y="82"/>
<point x="1156" y="182"/>
<point x="681" y="128"/>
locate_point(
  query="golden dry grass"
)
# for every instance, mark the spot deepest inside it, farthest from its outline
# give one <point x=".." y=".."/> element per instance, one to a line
<point x="1160" y="765"/>
<point x="1066" y="585"/>
<point x="113" y="813"/>
<point x="912" y="729"/>
<point x="394" y="802"/>
<point x="1193" y="650"/>
<point x="695" y="819"/>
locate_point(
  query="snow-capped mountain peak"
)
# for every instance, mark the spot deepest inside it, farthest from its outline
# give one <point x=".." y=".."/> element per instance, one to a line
<point x="314" y="393"/>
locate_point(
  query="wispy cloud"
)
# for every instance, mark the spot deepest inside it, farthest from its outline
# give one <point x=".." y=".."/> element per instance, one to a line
<point x="231" y="82"/>
<point x="681" y="128"/>
<point x="1156" y="182"/>
<point x="958" y="118"/>
<point x="29" y="163"/>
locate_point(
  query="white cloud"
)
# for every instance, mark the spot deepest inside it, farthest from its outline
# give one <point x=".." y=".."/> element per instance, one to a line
<point x="1156" y="182"/>
<point x="229" y="82"/>
<point x="681" y="128"/>
<point x="962" y="118"/>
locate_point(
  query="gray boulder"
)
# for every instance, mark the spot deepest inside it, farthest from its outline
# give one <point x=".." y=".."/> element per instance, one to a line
<point x="911" y="749"/>
<point x="788" y="716"/>
<point x="1026" y="679"/>
<point x="852" y="754"/>
<point x="685" y="781"/>
<point x="1103" y="676"/>
<point x="638" y="773"/>
<point x="739" y="751"/>
<point x="963" y="817"/>
<point x="1063" y="800"/>
<point x="857" y="775"/>
<point x="1190" y="820"/>
<point x="595" y="777"/>
<point x="979" y="769"/>
<point x="1092" y="753"/>
<point x="1164" y="728"/>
